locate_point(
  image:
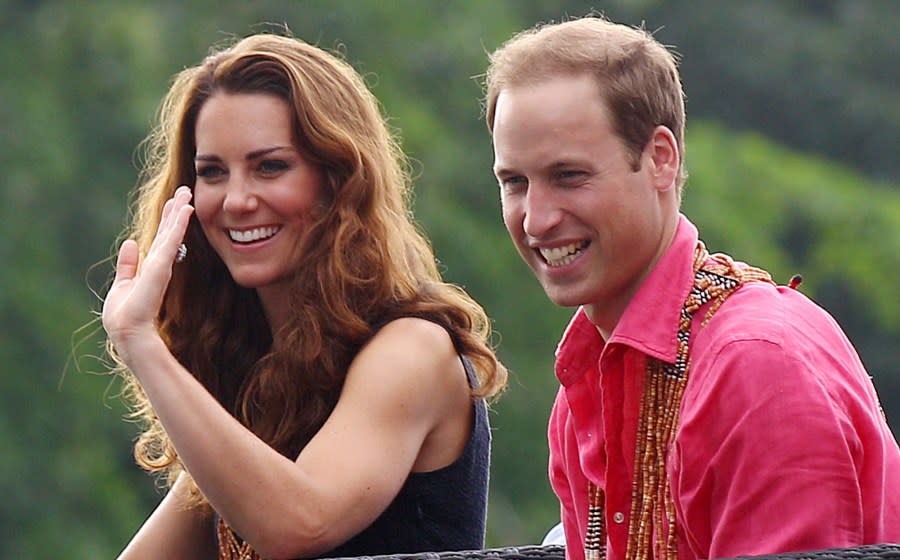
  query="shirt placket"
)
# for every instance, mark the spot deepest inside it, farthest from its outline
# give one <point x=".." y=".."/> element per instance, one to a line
<point x="618" y="479"/>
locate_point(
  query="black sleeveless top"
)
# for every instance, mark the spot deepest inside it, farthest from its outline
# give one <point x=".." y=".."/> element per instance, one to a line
<point x="439" y="510"/>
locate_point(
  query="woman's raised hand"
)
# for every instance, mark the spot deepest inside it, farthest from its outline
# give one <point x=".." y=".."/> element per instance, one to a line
<point x="136" y="294"/>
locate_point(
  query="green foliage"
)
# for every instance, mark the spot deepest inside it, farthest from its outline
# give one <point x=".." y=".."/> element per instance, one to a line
<point x="798" y="214"/>
<point x="81" y="82"/>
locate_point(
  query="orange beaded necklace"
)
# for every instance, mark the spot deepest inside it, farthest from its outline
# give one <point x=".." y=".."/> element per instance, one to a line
<point x="229" y="547"/>
<point x="652" y="524"/>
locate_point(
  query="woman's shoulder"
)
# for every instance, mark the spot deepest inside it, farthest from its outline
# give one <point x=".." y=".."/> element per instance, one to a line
<point x="413" y="339"/>
<point x="410" y="374"/>
<point x="410" y="346"/>
<point x="414" y="329"/>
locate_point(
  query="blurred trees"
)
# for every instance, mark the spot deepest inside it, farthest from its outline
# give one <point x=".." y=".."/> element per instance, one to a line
<point x="794" y="114"/>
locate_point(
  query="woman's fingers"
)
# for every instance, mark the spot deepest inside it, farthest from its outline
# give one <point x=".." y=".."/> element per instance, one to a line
<point x="172" y="227"/>
<point x="140" y="285"/>
<point x="136" y="295"/>
<point x="127" y="262"/>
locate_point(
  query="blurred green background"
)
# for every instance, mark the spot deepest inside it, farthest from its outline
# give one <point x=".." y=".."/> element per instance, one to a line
<point x="794" y="116"/>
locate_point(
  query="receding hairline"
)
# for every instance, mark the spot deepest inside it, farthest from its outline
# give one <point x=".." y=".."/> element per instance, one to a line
<point x="537" y="79"/>
<point x="587" y="45"/>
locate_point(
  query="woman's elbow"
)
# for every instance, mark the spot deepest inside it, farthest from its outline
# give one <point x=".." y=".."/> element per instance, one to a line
<point x="298" y="539"/>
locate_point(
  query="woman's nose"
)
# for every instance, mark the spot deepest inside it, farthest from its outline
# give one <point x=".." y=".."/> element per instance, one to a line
<point x="240" y="197"/>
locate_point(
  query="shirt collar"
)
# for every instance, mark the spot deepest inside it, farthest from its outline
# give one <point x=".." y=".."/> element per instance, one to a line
<point x="578" y="349"/>
<point x="650" y="321"/>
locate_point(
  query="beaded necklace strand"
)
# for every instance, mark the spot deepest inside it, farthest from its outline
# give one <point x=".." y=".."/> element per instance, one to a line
<point x="652" y="524"/>
<point x="230" y="548"/>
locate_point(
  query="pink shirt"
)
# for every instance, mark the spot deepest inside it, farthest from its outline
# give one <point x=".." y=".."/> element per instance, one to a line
<point x="782" y="444"/>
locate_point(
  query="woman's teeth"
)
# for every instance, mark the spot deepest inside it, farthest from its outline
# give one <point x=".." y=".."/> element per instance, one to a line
<point x="251" y="235"/>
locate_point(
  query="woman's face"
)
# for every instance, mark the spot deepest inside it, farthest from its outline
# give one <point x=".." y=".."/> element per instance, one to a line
<point x="255" y="192"/>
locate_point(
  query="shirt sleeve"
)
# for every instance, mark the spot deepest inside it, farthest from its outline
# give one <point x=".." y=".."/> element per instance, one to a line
<point x="766" y="453"/>
<point x="562" y="447"/>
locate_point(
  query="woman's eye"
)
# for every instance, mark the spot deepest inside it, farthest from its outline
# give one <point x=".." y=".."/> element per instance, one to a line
<point x="210" y="172"/>
<point x="272" y="166"/>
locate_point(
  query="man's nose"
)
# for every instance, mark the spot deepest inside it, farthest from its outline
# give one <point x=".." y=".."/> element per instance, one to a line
<point x="542" y="213"/>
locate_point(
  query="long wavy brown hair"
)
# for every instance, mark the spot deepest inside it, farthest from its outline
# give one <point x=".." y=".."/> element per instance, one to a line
<point x="366" y="262"/>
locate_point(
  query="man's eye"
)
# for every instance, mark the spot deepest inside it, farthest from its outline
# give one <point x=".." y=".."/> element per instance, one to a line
<point x="569" y="175"/>
<point x="513" y="183"/>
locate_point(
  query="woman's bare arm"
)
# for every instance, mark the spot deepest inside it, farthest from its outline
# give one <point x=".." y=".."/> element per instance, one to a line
<point x="173" y="532"/>
<point x="405" y="397"/>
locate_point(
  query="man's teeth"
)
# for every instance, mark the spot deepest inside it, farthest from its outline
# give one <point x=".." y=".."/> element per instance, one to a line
<point x="250" y="235"/>
<point x="560" y="256"/>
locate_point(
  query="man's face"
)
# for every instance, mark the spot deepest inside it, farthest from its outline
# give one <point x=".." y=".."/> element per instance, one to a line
<point x="588" y="224"/>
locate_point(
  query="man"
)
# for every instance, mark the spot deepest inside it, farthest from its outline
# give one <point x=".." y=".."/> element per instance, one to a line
<point x="703" y="411"/>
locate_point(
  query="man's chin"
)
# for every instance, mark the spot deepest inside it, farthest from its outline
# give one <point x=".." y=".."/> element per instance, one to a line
<point x="562" y="298"/>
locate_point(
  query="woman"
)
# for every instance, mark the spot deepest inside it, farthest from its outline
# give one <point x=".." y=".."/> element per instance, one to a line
<point x="306" y="380"/>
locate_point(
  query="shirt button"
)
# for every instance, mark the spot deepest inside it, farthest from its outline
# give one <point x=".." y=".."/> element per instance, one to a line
<point x="619" y="517"/>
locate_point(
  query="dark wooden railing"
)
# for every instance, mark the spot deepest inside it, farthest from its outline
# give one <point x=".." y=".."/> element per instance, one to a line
<point x="556" y="552"/>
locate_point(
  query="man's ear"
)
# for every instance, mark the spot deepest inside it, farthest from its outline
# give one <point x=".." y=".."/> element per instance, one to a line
<point x="664" y="157"/>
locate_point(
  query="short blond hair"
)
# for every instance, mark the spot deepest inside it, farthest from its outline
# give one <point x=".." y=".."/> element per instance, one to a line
<point x="637" y="75"/>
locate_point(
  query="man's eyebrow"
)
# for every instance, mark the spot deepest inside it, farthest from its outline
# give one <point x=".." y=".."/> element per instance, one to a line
<point x="555" y="166"/>
<point x="503" y="171"/>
